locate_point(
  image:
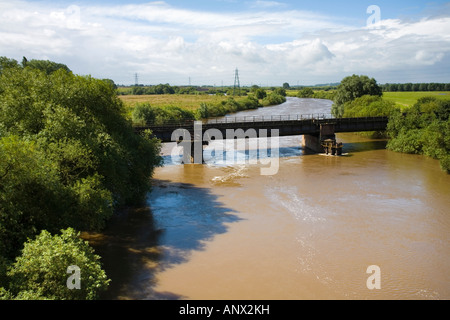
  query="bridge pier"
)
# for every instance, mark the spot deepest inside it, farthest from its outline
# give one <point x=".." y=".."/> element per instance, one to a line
<point x="193" y="151"/>
<point x="312" y="143"/>
<point x="324" y="142"/>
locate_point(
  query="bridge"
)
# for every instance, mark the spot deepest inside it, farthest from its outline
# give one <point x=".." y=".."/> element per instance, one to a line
<point x="318" y="130"/>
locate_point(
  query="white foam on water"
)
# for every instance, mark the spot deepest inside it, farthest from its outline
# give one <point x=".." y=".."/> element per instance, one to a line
<point x="290" y="199"/>
<point x="233" y="173"/>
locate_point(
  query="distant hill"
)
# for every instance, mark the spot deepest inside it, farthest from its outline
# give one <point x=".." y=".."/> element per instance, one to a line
<point x="328" y="84"/>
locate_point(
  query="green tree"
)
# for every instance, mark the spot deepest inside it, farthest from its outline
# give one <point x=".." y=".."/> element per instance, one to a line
<point x="31" y="196"/>
<point x="62" y="105"/>
<point x="250" y="103"/>
<point x="280" y="91"/>
<point x="203" y="111"/>
<point x="145" y="114"/>
<point x="138" y="90"/>
<point x="111" y="83"/>
<point x="306" y="93"/>
<point x="6" y="63"/>
<point x="40" y="272"/>
<point x="354" y="87"/>
<point x="425" y="129"/>
<point x="68" y="155"/>
<point x="254" y="88"/>
<point x="423" y="87"/>
<point x="68" y="158"/>
<point x="273" y="99"/>
<point x="260" y="94"/>
<point x="286" y="86"/>
<point x="45" y="65"/>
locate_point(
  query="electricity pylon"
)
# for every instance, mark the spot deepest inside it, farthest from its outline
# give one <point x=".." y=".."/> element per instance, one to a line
<point x="236" y="83"/>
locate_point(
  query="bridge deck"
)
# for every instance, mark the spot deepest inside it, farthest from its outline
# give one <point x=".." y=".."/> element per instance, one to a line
<point x="288" y="125"/>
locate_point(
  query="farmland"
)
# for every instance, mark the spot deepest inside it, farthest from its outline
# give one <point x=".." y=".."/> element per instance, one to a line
<point x="190" y="102"/>
<point x="408" y="99"/>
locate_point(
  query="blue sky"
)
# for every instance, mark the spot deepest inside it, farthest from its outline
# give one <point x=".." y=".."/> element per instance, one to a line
<point x="270" y="42"/>
<point x="350" y="8"/>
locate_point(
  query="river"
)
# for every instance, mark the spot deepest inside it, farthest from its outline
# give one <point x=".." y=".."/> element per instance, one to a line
<point x="310" y="231"/>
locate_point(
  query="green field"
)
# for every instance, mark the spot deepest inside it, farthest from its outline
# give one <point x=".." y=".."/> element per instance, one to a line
<point x="189" y="102"/>
<point x="408" y="99"/>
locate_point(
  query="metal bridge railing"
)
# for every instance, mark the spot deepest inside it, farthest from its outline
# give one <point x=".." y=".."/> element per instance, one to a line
<point x="270" y="118"/>
<point x="245" y="119"/>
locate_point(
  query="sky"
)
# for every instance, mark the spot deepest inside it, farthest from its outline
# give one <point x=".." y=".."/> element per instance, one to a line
<point x="204" y="42"/>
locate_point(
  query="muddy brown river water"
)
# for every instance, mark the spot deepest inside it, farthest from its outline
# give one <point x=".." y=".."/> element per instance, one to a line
<point x="310" y="231"/>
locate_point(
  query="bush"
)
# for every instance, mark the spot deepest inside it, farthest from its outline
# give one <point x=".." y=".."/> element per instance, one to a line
<point x="306" y="93"/>
<point x="144" y="114"/>
<point x="203" y="111"/>
<point x="425" y="129"/>
<point x="41" y="271"/>
<point x="445" y="163"/>
<point x="407" y="141"/>
<point x="260" y="93"/>
<point x="225" y="107"/>
<point x="250" y="103"/>
<point x="328" y="95"/>
<point x="273" y="99"/>
<point x="280" y="91"/>
<point x="32" y="196"/>
<point x="368" y="106"/>
<point x="231" y="106"/>
<point x="3" y="277"/>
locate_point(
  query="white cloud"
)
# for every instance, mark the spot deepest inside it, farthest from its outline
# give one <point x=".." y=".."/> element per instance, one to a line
<point x="167" y="44"/>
